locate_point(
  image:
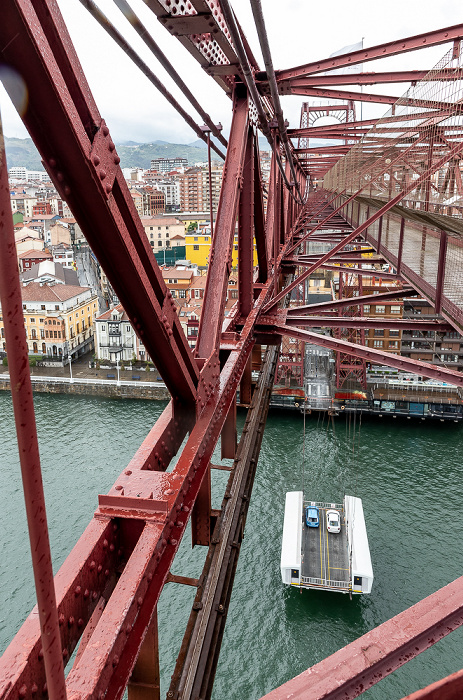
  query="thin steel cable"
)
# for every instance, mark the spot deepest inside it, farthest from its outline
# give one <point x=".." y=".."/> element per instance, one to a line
<point x="104" y="22"/>
<point x="144" y="34"/>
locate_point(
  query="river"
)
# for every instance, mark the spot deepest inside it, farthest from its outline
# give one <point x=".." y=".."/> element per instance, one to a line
<point x="409" y="475"/>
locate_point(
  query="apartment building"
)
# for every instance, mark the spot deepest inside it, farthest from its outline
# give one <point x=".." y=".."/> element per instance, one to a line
<point x="58" y="320"/>
<point x="191" y="190"/>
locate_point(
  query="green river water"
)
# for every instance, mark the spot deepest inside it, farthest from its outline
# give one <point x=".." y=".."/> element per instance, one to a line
<point x="409" y="475"/>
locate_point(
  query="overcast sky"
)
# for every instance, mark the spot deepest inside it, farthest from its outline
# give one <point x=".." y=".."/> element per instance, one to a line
<point x="299" y="31"/>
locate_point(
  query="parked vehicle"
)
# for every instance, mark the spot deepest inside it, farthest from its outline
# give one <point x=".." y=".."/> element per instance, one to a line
<point x="333" y="521"/>
<point x="312" y="516"/>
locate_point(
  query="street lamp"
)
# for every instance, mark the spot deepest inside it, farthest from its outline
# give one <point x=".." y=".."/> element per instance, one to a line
<point x="70" y="368"/>
<point x="117" y="367"/>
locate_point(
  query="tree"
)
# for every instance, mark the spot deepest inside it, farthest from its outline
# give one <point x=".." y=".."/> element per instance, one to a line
<point x="192" y="226"/>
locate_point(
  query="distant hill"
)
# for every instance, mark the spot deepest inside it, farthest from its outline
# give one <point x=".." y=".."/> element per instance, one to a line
<point x="132" y="154"/>
<point x="22" y="152"/>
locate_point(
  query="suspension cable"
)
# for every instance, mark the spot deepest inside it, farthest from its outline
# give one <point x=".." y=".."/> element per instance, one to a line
<point x="125" y="46"/>
<point x="251" y="85"/>
<point x="144" y="34"/>
<point x="265" y="47"/>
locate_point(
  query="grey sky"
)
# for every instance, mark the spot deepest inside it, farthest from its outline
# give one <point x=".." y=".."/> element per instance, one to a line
<point x="299" y="31"/>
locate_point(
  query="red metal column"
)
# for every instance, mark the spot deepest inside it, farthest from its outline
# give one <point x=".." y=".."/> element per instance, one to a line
<point x="23" y="404"/>
<point x="246" y="230"/>
<point x="441" y="271"/>
<point x="221" y="248"/>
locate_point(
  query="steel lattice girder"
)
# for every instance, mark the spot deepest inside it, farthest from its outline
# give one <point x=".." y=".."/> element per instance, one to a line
<point x="138" y="536"/>
<point x="371" y="354"/>
<point x="359" y="665"/>
<point x="392" y="48"/>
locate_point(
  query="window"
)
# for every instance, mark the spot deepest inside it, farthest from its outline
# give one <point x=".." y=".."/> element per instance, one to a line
<point x="394" y="334"/>
<point x="43" y="307"/>
<point x="56" y="307"/>
<point x="379" y="309"/>
<point x="55" y="334"/>
<point x="33" y="334"/>
<point x="379" y="331"/>
<point x="366" y="308"/>
<point x="167" y="234"/>
<point x="377" y="343"/>
<point x="395" y="309"/>
<point x="46" y="334"/>
<point x="32" y="320"/>
<point x="103" y="327"/>
<point x="182" y="294"/>
<point x="196" y="247"/>
<point x="44" y="348"/>
<point x="393" y="343"/>
<point x="159" y="244"/>
<point x="197" y="293"/>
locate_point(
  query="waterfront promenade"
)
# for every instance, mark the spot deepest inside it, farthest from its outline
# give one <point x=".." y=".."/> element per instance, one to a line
<point x="136" y="383"/>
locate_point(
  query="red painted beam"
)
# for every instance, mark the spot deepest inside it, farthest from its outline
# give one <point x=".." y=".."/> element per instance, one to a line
<point x="330" y="94"/>
<point x="220" y="259"/>
<point x="363" y="322"/>
<point x="28" y="446"/>
<point x="359" y="665"/>
<point x="372" y="355"/>
<point x="365" y="78"/>
<point x="391" y="48"/>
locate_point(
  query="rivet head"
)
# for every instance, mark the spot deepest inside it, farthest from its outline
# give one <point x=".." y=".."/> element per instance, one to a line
<point x="105" y="130"/>
<point x="118" y="487"/>
<point x="111" y="146"/>
<point x="117" y="160"/>
<point x="168" y="492"/>
<point x="102" y="174"/>
<point x="60" y="176"/>
<point x="128" y="472"/>
<point x="52" y="163"/>
<point x="96" y="160"/>
<point x="108" y="188"/>
<point x="77" y="590"/>
<point x="23" y="691"/>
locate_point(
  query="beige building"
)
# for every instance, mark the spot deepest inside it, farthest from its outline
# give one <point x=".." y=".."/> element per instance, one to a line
<point x="164" y="232"/>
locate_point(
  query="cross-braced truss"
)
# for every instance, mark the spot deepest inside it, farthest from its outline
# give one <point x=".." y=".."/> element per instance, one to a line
<point x="398" y="189"/>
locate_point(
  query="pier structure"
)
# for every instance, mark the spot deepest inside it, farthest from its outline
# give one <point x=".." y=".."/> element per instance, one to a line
<point x="394" y="184"/>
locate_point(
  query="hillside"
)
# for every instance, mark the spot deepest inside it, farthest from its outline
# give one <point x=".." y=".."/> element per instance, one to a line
<point x="132" y="154"/>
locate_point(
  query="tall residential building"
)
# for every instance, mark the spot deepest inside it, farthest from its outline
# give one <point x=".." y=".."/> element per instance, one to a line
<point x="216" y="181"/>
<point x="171" y="189"/>
<point x="191" y="190"/>
<point x="166" y="165"/>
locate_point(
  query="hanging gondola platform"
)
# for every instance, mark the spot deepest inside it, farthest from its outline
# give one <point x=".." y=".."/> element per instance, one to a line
<point x="325" y="547"/>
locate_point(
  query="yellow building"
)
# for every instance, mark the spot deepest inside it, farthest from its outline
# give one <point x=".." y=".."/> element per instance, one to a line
<point x="198" y="248"/>
<point x="58" y="320"/>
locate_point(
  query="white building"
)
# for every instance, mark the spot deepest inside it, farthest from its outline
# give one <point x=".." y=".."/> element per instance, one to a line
<point x="116" y="339"/>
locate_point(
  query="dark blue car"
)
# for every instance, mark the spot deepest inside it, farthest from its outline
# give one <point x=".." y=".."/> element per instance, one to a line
<point x="311" y="516"/>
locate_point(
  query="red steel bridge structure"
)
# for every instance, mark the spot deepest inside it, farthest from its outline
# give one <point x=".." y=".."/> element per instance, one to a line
<point x="393" y="184"/>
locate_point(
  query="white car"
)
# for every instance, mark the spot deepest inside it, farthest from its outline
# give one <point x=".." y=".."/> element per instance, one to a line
<point x="333" y="521"/>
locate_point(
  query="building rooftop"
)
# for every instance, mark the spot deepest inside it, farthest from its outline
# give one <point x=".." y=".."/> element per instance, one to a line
<point x="46" y="292"/>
